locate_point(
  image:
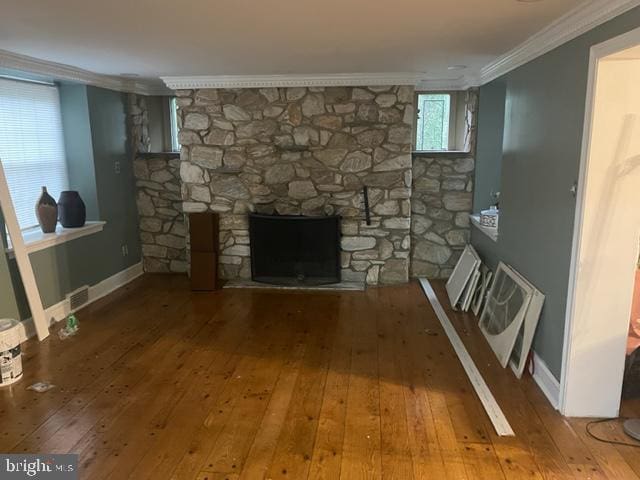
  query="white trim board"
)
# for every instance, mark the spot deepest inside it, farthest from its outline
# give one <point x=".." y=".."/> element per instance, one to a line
<point x="571" y="25"/>
<point x="546" y="381"/>
<point x="59" y="71"/>
<point x="271" y="81"/>
<point x="59" y="311"/>
<point x="22" y="259"/>
<point x="321" y="80"/>
<point x="497" y="417"/>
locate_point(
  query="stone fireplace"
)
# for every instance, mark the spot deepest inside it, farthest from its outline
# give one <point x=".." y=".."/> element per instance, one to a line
<point x="308" y="151"/>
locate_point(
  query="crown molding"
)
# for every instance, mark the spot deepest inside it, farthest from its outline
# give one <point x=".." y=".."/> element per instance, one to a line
<point x="271" y="81"/>
<point x="442" y="85"/>
<point x="571" y="25"/>
<point x="62" y="72"/>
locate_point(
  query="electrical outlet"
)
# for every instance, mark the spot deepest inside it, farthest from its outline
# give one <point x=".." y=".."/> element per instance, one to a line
<point x="117" y="167"/>
<point x="125" y="250"/>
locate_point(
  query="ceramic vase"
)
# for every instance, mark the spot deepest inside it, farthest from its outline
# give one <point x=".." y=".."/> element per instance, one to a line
<point x="72" y="212"/>
<point x="47" y="212"/>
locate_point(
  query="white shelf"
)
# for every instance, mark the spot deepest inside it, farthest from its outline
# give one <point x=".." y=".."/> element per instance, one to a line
<point x="35" y="240"/>
<point x="490" y="232"/>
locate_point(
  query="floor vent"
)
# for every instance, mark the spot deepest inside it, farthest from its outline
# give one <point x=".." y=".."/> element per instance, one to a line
<point x="78" y="298"/>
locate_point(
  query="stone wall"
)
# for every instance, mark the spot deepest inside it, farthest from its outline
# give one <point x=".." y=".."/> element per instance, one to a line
<point x="162" y="227"/>
<point x="160" y="219"/>
<point x="441" y="201"/>
<point x="303" y="151"/>
<point x="138" y="124"/>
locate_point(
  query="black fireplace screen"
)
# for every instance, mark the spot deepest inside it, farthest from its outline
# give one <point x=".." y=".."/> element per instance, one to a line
<point x="295" y="250"/>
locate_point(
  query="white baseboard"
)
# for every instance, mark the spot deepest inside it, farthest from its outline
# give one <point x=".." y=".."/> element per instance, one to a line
<point x="62" y="309"/>
<point x="546" y="381"/>
<point x="114" y="282"/>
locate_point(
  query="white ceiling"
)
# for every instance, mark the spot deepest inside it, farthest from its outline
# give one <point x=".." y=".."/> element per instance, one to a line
<point x="153" y="38"/>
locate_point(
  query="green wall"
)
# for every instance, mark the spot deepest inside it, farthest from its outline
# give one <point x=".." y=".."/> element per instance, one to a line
<point x="78" y="145"/>
<point x="544" y="115"/>
<point x="491" y="104"/>
<point x="96" y="138"/>
<point x="8" y="303"/>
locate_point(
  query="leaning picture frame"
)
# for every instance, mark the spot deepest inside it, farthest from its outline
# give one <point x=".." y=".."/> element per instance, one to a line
<point x="486" y="276"/>
<point x="524" y="340"/>
<point x="462" y="273"/>
<point x="504" y="312"/>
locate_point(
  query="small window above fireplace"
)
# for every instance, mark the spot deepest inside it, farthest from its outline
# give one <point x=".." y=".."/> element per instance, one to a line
<point x="443" y="121"/>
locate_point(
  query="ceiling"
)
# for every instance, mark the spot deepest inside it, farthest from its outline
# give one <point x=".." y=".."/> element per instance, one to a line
<point x="153" y="38"/>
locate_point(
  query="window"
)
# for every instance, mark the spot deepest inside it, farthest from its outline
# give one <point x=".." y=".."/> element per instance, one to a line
<point x="445" y="121"/>
<point x="434" y="119"/>
<point x="173" y="116"/>
<point x="162" y="124"/>
<point x="31" y="144"/>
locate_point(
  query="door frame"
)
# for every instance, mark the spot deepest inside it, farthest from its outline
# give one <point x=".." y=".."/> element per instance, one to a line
<point x="569" y="380"/>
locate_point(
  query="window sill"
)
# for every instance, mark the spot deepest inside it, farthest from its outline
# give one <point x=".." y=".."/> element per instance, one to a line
<point x="490" y="232"/>
<point x="35" y="240"/>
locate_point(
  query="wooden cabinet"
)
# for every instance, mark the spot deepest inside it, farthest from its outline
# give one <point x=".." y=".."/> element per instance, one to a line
<point x="203" y="236"/>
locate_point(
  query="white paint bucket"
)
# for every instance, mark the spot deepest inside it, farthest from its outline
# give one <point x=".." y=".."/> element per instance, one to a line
<point x="10" y="352"/>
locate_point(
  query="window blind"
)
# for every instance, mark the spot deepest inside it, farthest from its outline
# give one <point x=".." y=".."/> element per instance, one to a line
<point x="31" y="145"/>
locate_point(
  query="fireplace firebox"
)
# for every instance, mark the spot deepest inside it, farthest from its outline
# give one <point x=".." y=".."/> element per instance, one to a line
<point x="295" y="250"/>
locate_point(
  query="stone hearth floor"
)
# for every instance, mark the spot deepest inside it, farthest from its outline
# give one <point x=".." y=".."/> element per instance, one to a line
<point x="333" y="286"/>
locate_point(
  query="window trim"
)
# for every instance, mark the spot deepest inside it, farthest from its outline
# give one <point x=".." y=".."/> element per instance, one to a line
<point x="173" y="124"/>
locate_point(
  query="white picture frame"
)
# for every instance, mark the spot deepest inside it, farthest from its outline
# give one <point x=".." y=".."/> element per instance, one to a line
<point x="467" y="264"/>
<point x="524" y="340"/>
<point x="507" y="284"/>
<point x="467" y="296"/>
<point x="486" y="276"/>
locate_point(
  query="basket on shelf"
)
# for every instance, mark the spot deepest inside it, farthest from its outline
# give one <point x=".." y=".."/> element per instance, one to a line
<point x="489" y="218"/>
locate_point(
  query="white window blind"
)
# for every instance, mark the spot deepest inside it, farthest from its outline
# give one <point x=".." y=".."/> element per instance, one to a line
<point x="31" y="144"/>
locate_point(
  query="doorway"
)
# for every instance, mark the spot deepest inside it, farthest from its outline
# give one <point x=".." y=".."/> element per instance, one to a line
<point x="606" y="233"/>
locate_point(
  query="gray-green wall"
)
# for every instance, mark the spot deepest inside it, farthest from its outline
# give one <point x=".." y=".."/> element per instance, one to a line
<point x="544" y="115"/>
<point x="8" y="302"/>
<point x="96" y="138"/>
<point x="74" y="103"/>
<point x="489" y="144"/>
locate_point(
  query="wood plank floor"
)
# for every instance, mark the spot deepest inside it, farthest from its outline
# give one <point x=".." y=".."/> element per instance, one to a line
<point x="164" y="383"/>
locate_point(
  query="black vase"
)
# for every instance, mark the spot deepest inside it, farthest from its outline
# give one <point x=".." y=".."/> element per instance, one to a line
<point x="71" y="210"/>
<point x="47" y="212"/>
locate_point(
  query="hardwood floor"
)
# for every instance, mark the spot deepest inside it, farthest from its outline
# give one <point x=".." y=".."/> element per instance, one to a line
<point x="248" y="384"/>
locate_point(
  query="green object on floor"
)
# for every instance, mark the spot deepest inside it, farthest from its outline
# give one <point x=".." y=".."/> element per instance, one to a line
<point x="72" y="323"/>
<point x="70" y="329"/>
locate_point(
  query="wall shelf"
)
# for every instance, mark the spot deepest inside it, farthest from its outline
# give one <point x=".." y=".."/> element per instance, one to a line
<point x="490" y="232"/>
<point x="35" y="240"/>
